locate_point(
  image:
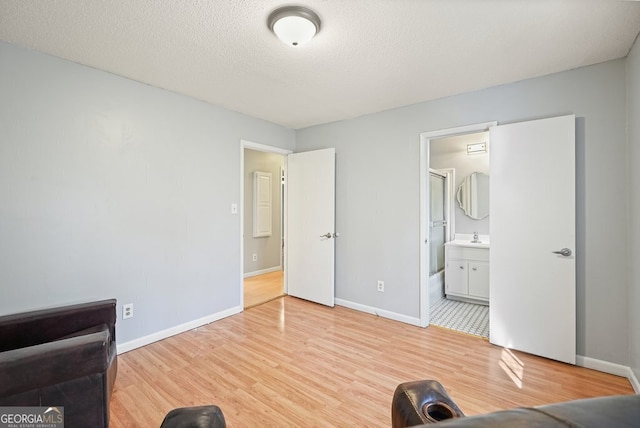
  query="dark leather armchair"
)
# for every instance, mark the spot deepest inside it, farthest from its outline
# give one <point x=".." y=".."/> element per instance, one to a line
<point x="427" y="402"/>
<point x="63" y="356"/>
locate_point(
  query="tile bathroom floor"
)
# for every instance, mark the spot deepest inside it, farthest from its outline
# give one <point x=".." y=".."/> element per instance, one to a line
<point x="465" y="317"/>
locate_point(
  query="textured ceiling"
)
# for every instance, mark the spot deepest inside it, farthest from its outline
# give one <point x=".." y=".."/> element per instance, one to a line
<point x="371" y="55"/>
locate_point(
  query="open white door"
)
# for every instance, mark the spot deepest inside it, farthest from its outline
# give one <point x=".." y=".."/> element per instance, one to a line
<point x="532" y="221"/>
<point x="311" y="225"/>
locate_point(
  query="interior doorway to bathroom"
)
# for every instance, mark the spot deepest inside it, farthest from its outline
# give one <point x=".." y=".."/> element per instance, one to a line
<point x="446" y="161"/>
<point x="451" y="156"/>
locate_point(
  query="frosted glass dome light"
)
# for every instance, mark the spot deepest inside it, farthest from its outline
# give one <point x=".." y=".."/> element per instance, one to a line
<point x="294" y="25"/>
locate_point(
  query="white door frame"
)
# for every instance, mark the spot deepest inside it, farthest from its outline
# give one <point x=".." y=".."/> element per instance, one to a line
<point x="425" y="142"/>
<point x="244" y="144"/>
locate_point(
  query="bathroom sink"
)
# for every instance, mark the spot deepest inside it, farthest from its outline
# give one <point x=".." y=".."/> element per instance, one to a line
<point x="472" y="244"/>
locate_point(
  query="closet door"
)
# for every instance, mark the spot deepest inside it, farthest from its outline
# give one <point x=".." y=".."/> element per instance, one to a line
<point x="532" y="222"/>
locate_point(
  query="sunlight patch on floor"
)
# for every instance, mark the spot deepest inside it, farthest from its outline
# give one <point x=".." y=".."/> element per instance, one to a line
<point x="512" y="366"/>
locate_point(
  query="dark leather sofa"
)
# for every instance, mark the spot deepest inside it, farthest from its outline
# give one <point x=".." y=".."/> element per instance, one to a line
<point x="421" y="403"/>
<point x="63" y="356"/>
<point x="426" y="402"/>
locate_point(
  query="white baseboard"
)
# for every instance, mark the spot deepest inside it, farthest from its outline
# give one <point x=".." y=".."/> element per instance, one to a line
<point x="262" y="271"/>
<point x="379" y="312"/>
<point x="611" y="368"/>
<point x="602" y="366"/>
<point x="172" y="331"/>
<point x="634" y="381"/>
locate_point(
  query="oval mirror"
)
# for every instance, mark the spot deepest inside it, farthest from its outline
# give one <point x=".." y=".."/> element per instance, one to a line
<point x="473" y="195"/>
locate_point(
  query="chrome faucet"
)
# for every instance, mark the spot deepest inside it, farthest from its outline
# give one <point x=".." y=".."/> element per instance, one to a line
<point x="475" y="237"/>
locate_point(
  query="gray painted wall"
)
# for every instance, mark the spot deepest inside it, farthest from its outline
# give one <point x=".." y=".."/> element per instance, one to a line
<point x="112" y="188"/>
<point x="377" y="193"/>
<point x="633" y="103"/>
<point x="267" y="248"/>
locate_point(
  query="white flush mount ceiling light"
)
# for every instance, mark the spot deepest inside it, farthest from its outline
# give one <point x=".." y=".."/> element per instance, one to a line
<point x="294" y="25"/>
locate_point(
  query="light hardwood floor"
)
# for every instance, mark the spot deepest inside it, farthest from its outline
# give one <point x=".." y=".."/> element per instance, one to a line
<point x="262" y="288"/>
<point x="290" y="362"/>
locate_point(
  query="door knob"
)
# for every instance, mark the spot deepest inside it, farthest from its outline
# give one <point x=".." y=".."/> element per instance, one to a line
<point x="564" y="252"/>
<point x="327" y="235"/>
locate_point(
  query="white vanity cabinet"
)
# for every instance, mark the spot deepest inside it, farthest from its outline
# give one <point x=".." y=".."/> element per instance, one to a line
<point x="466" y="274"/>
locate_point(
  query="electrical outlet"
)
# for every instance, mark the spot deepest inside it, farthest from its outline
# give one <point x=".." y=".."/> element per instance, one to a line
<point x="381" y="286"/>
<point x="255" y="257"/>
<point x="127" y="311"/>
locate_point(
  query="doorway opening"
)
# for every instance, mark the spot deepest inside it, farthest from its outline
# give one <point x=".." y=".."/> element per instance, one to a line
<point x="263" y="212"/>
<point x="456" y="304"/>
<point x="445" y="162"/>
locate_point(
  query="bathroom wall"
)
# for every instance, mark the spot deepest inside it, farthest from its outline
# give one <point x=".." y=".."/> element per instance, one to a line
<point x="633" y="121"/>
<point x="113" y="188"/>
<point x="451" y="152"/>
<point x="377" y="193"/>
<point x="268" y="248"/>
